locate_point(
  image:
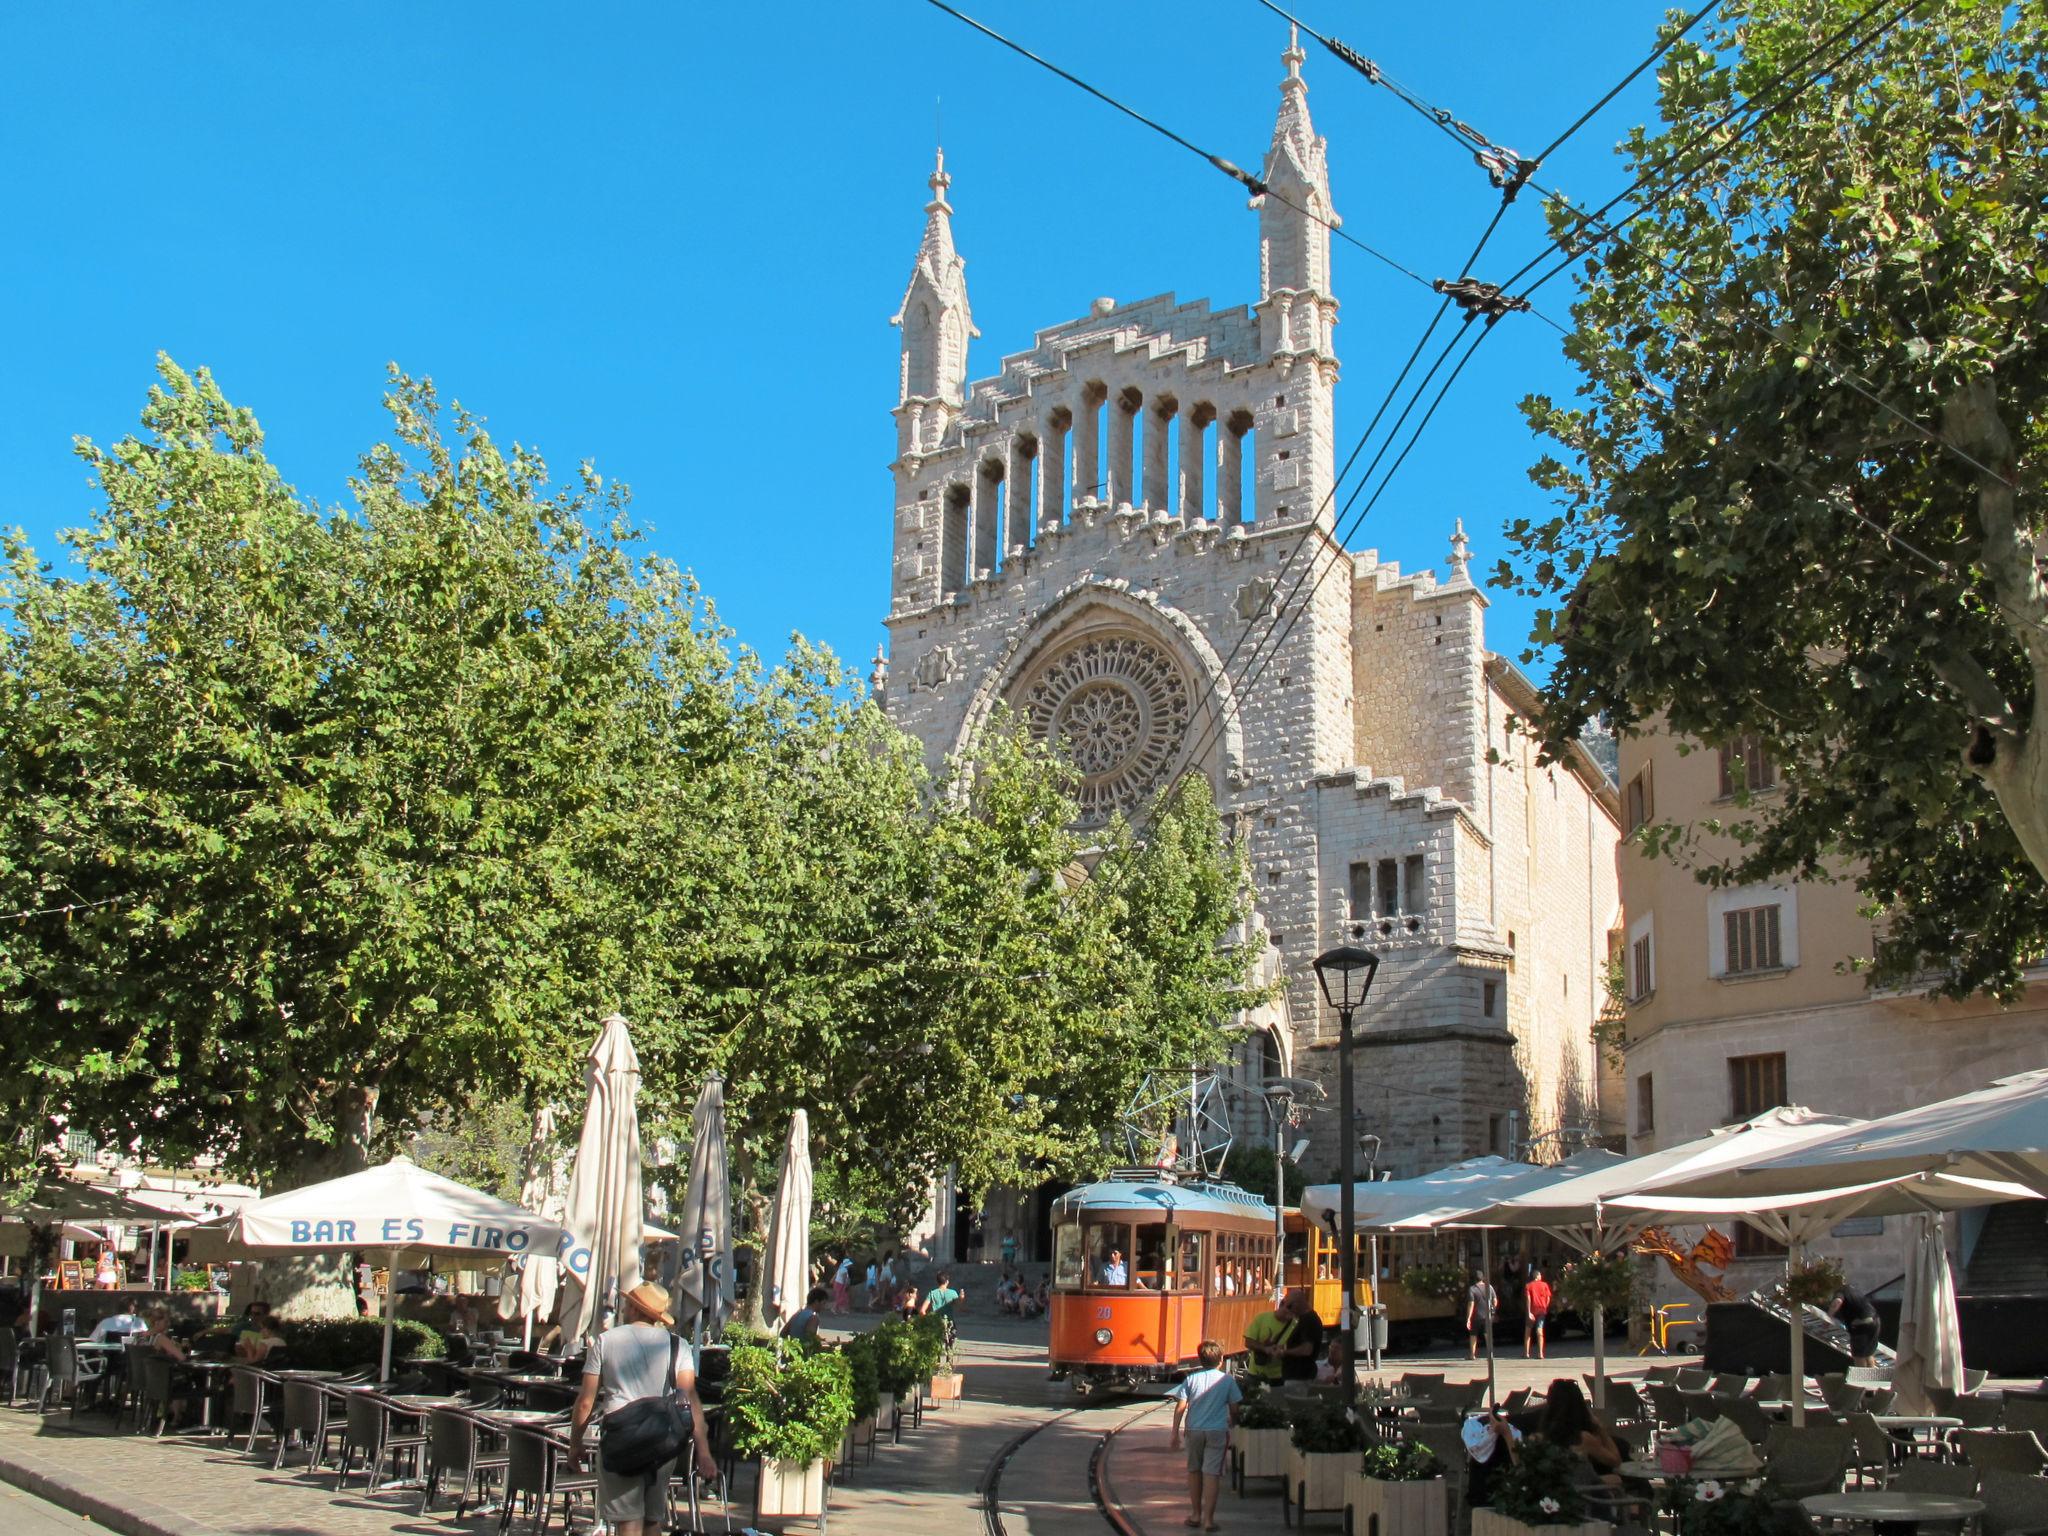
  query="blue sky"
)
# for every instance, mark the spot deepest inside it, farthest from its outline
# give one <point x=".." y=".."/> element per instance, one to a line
<point x="669" y="238"/>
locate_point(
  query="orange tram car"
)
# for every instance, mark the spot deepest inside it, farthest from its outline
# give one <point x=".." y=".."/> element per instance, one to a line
<point x="1145" y="1267"/>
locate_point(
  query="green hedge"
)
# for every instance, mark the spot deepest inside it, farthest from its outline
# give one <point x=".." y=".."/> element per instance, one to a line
<point x="859" y="1354"/>
<point x="355" y="1343"/>
<point x="791" y="1404"/>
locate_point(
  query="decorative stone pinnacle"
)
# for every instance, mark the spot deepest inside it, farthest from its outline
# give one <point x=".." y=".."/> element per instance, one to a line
<point x="1461" y="552"/>
<point x="1294" y="58"/>
<point x="878" y="678"/>
<point x="939" y="181"/>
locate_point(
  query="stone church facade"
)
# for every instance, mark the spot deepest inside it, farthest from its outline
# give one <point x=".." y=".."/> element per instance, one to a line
<point x="1127" y="536"/>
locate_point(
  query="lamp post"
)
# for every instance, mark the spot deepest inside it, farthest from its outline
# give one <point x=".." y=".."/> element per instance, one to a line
<point x="1280" y="1093"/>
<point x="1345" y="974"/>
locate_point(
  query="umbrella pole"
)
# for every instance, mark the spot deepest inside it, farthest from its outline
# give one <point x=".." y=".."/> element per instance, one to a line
<point x="1599" y="1343"/>
<point x="1795" y="1253"/>
<point x="390" y="1313"/>
<point x="1486" y="1279"/>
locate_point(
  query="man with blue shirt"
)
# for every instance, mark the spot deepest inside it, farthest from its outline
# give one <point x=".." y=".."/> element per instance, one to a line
<point x="1206" y="1404"/>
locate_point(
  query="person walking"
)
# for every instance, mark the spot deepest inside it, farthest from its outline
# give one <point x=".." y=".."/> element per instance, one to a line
<point x="842" y="1285"/>
<point x="627" y="1363"/>
<point x="1205" y="1405"/>
<point x="1480" y="1301"/>
<point x="1535" y="1312"/>
<point x="874" y="1284"/>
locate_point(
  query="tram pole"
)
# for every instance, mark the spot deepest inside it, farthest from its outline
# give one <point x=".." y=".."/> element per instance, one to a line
<point x="1345" y="975"/>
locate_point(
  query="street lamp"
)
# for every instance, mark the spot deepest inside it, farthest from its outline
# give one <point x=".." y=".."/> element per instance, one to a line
<point x="1345" y="974"/>
<point x="1281" y="1092"/>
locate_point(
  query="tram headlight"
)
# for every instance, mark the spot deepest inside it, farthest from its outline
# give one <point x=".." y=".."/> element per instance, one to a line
<point x="1103" y="1335"/>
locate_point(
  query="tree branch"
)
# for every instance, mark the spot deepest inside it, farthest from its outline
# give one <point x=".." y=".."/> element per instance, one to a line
<point x="2011" y="555"/>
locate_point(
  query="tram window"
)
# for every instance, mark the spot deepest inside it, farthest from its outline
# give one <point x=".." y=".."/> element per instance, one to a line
<point x="1108" y="1246"/>
<point x="1191" y="1256"/>
<point x="1150" y="1271"/>
<point x="1066" y="1256"/>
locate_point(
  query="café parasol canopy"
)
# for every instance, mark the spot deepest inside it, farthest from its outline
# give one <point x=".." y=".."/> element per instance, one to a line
<point x="397" y="1209"/>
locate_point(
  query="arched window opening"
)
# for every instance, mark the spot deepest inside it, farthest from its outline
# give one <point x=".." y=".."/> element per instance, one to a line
<point x="1236" y="495"/>
<point x="1122" y="431"/>
<point x="988" y="504"/>
<point x="1194" y="459"/>
<point x="1053" y="496"/>
<point x="1020" y="519"/>
<point x="1089" y="458"/>
<point x="953" y="538"/>
<point x="1161" y="483"/>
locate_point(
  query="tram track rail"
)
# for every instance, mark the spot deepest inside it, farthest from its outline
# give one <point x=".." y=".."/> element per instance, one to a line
<point x="994" y="1523"/>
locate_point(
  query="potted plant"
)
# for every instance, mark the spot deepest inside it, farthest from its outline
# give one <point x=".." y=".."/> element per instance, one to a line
<point x="1323" y="1446"/>
<point x="946" y="1381"/>
<point x="866" y="1388"/>
<point x="1439" y="1282"/>
<point x="1260" y="1437"/>
<point x="1537" y="1491"/>
<point x="1600" y="1280"/>
<point x="1399" y="1489"/>
<point x="1711" y="1507"/>
<point x="789" y="1410"/>
<point x="904" y="1357"/>
<point x="1812" y="1284"/>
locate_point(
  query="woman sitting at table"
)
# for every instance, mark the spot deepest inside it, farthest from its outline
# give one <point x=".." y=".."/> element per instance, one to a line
<point x="259" y="1343"/>
<point x="1568" y="1421"/>
<point x="161" y="1340"/>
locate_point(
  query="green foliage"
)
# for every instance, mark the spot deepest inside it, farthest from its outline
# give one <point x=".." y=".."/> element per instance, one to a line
<point x="371" y="813"/>
<point x="1813" y="1284"/>
<point x="1708" y="1507"/>
<point x="1771" y="517"/>
<point x="191" y="1280"/>
<point x="790" y="1405"/>
<point x="1401" y="1461"/>
<point x="1540" y="1486"/>
<point x="907" y="1354"/>
<point x="865" y="1382"/>
<point x="1262" y="1408"/>
<point x="1322" y="1428"/>
<point x="1600" y="1280"/>
<point x="481" y="1145"/>
<point x="1250" y="1166"/>
<point x="353" y="1343"/>
<point x="1439" y="1282"/>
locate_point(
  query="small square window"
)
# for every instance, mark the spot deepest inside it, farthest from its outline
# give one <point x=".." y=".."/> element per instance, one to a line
<point x="1489" y="998"/>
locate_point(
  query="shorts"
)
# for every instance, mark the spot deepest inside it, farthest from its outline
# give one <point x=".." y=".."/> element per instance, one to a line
<point x="639" y="1496"/>
<point x="1537" y="1320"/>
<point x="1477" y="1327"/>
<point x="1206" y="1448"/>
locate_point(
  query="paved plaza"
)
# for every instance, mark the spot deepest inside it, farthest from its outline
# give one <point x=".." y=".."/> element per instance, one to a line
<point x="935" y="1482"/>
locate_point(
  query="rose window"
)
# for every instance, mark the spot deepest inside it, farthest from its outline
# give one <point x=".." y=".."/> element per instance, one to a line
<point x="1120" y="708"/>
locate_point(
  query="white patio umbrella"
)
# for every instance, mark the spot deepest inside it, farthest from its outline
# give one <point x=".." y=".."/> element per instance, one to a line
<point x="1580" y="1211"/>
<point x="1449" y="1197"/>
<point x="398" y="1208"/>
<point x="1796" y="1218"/>
<point x="60" y="1202"/>
<point x="605" y="1208"/>
<point x="786" y="1256"/>
<point x="1930" y="1352"/>
<point x="1999" y="1132"/>
<point x="704" y="1266"/>
<point x="538" y="1277"/>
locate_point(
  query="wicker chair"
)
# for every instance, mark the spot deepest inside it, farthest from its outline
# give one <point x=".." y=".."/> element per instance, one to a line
<point x="1669" y="1404"/>
<point x="1754" y="1423"/>
<point x="1923" y="1474"/>
<point x="155" y="1401"/>
<point x="1729" y="1384"/>
<point x="302" y="1417"/>
<point x="1692" y="1379"/>
<point x="2025" y="1411"/>
<point x="2002" y="1450"/>
<point x="1980" y="1413"/>
<point x="1420" y="1383"/>
<point x="1666" y="1373"/>
<point x="1875" y="1452"/>
<point x="255" y="1395"/>
<point x="10" y="1362"/>
<point x="460" y="1444"/>
<point x="1803" y="1461"/>
<point x="2015" y="1504"/>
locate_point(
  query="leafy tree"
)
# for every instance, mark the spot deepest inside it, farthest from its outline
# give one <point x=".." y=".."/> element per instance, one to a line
<point x="1250" y="1166"/>
<point x="334" y="827"/>
<point x="1799" y="497"/>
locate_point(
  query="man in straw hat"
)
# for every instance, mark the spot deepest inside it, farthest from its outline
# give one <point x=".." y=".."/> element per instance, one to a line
<point x="627" y="1363"/>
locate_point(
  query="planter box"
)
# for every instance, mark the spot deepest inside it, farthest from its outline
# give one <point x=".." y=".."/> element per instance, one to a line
<point x="1262" y="1452"/>
<point x="1380" y="1508"/>
<point x="1490" y="1522"/>
<point x="789" y="1490"/>
<point x="947" y="1389"/>
<point x="1315" y="1479"/>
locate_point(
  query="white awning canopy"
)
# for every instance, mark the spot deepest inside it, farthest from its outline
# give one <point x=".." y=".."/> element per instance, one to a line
<point x="1448" y="1196"/>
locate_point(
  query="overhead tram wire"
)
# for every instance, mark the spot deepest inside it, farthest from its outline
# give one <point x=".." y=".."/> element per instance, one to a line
<point x="1235" y="172"/>
<point x="1468" y="136"/>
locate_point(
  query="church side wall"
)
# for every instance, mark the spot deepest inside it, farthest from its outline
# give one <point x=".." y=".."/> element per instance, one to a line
<point x="1418" y="660"/>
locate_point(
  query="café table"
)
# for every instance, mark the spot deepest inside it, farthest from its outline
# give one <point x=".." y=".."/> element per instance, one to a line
<point x="212" y="1375"/>
<point x="1890" y="1513"/>
<point x="1924" y="1432"/>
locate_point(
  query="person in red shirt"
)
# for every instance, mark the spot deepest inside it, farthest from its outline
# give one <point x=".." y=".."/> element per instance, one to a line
<point x="1535" y="1309"/>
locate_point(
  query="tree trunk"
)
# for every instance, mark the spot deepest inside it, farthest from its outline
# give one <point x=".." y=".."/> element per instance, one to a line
<point x="321" y="1285"/>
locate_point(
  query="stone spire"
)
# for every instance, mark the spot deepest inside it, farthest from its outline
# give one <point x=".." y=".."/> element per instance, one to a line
<point x="934" y="315"/>
<point x="1296" y="306"/>
<point x="1461" y="553"/>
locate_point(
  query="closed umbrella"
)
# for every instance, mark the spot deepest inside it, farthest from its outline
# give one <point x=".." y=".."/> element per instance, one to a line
<point x="1930" y="1352"/>
<point x="704" y="1265"/>
<point x="538" y="1277"/>
<point x="398" y="1208"/>
<point x="786" y="1258"/>
<point x="605" y="1209"/>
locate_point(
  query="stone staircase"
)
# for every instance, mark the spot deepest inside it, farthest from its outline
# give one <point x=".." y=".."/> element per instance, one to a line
<point x="2011" y="1256"/>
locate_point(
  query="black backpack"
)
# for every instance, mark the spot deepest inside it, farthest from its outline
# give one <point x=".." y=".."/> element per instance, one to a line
<point x="648" y="1431"/>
